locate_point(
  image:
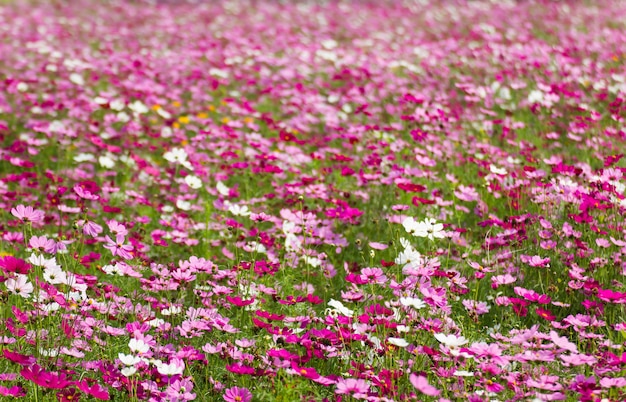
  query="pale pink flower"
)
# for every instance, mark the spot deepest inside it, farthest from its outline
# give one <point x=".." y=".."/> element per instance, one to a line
<point x="28" y="214"/>
<point x="19" y="285"/>
<point x="421" y="384"/>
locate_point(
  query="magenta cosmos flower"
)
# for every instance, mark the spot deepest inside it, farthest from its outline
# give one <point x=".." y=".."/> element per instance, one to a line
<point x="236" y="394"/>
<point x="11" y="264"/>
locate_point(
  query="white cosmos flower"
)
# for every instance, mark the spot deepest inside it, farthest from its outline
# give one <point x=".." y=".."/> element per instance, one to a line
<point x="340" y="308"/>
<point x="429" y="228"/>
<point x="128" y="360"/>
<point x="166" y="132"/>
<point x="138" y="346"/>
<point x="451" y="341"/>
<point x="128" y="371"/>
<point x="239" y="210"/>
<point x="84" y="157"/>
<point x="117" y="105"/>
<point x="171" y="310"/>
<point x="175" y="155"/>
<point x="54" y="275"/>
<point x="409" y="256"/>
<point x="56" y="126"/>
<point x="123" y="117"/>
<point x="497" y="170"/>
<point x="398" y="342"/>
<point x="178" y="155"/>
<point x="222" y="189"/>
<point x="113" y="269"/>
<point x="292" y="242"/>
<point x="184" y="205"/>
<point x="163" y="113"/>
<point x="175" y="367"/>
<point x="193" y="181"/>
<point x="156" y="322"/>
<point x="535" y="96"/>
<point x="410" y="225"/>
<point x="50" y="307"/>
<point x="77" y="79"/>
<point x="138" y="107"/>
<point x="414" y="302"/>
<point x="106" y="162"/>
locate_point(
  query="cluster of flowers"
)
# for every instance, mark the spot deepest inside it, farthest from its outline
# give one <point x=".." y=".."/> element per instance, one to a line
<point x="349" y="200"/>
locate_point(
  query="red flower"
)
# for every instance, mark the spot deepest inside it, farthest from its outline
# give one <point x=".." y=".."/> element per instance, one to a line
<point x="545" y="314"/>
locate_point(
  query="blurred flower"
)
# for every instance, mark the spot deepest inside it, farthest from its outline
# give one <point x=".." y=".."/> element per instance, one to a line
<point x="28" y="214"/>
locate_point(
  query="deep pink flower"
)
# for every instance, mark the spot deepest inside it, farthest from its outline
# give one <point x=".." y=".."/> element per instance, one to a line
<point x="308" y="372"/>
<point x="23" y="360"/>
<point x="45" y="379"/>
<point x="95" y="390"/>
<point x="15" y="391"/>
<point x="238" y="301"/>
<point x="17" y="265"/>
<point x="236" y="394"/>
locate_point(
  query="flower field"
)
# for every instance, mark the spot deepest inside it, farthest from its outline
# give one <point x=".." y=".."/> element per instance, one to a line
<point x="312" y="201"/>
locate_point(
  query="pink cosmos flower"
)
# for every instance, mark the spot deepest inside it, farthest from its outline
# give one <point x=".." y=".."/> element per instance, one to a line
<point x="466" y="193"/>
<point x="421" y="384"/>
<point x="499" y="280"/>
<point x="42" y="243"/>
<point x="90" y="228"/>
<point x="28" y="214"/>
<point x="373" y="276"/>
<point x="357" y="387"/>
<point x="476" y="307"/>
<point x="179" y="391"/>
<point x="118" y="247"/>
<point x="117" y="228"/>
<point x="236" y="394"/>
<point x="84" y="193"/>
<point x="378" y="246"/>
<point x="535" y="261"/>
